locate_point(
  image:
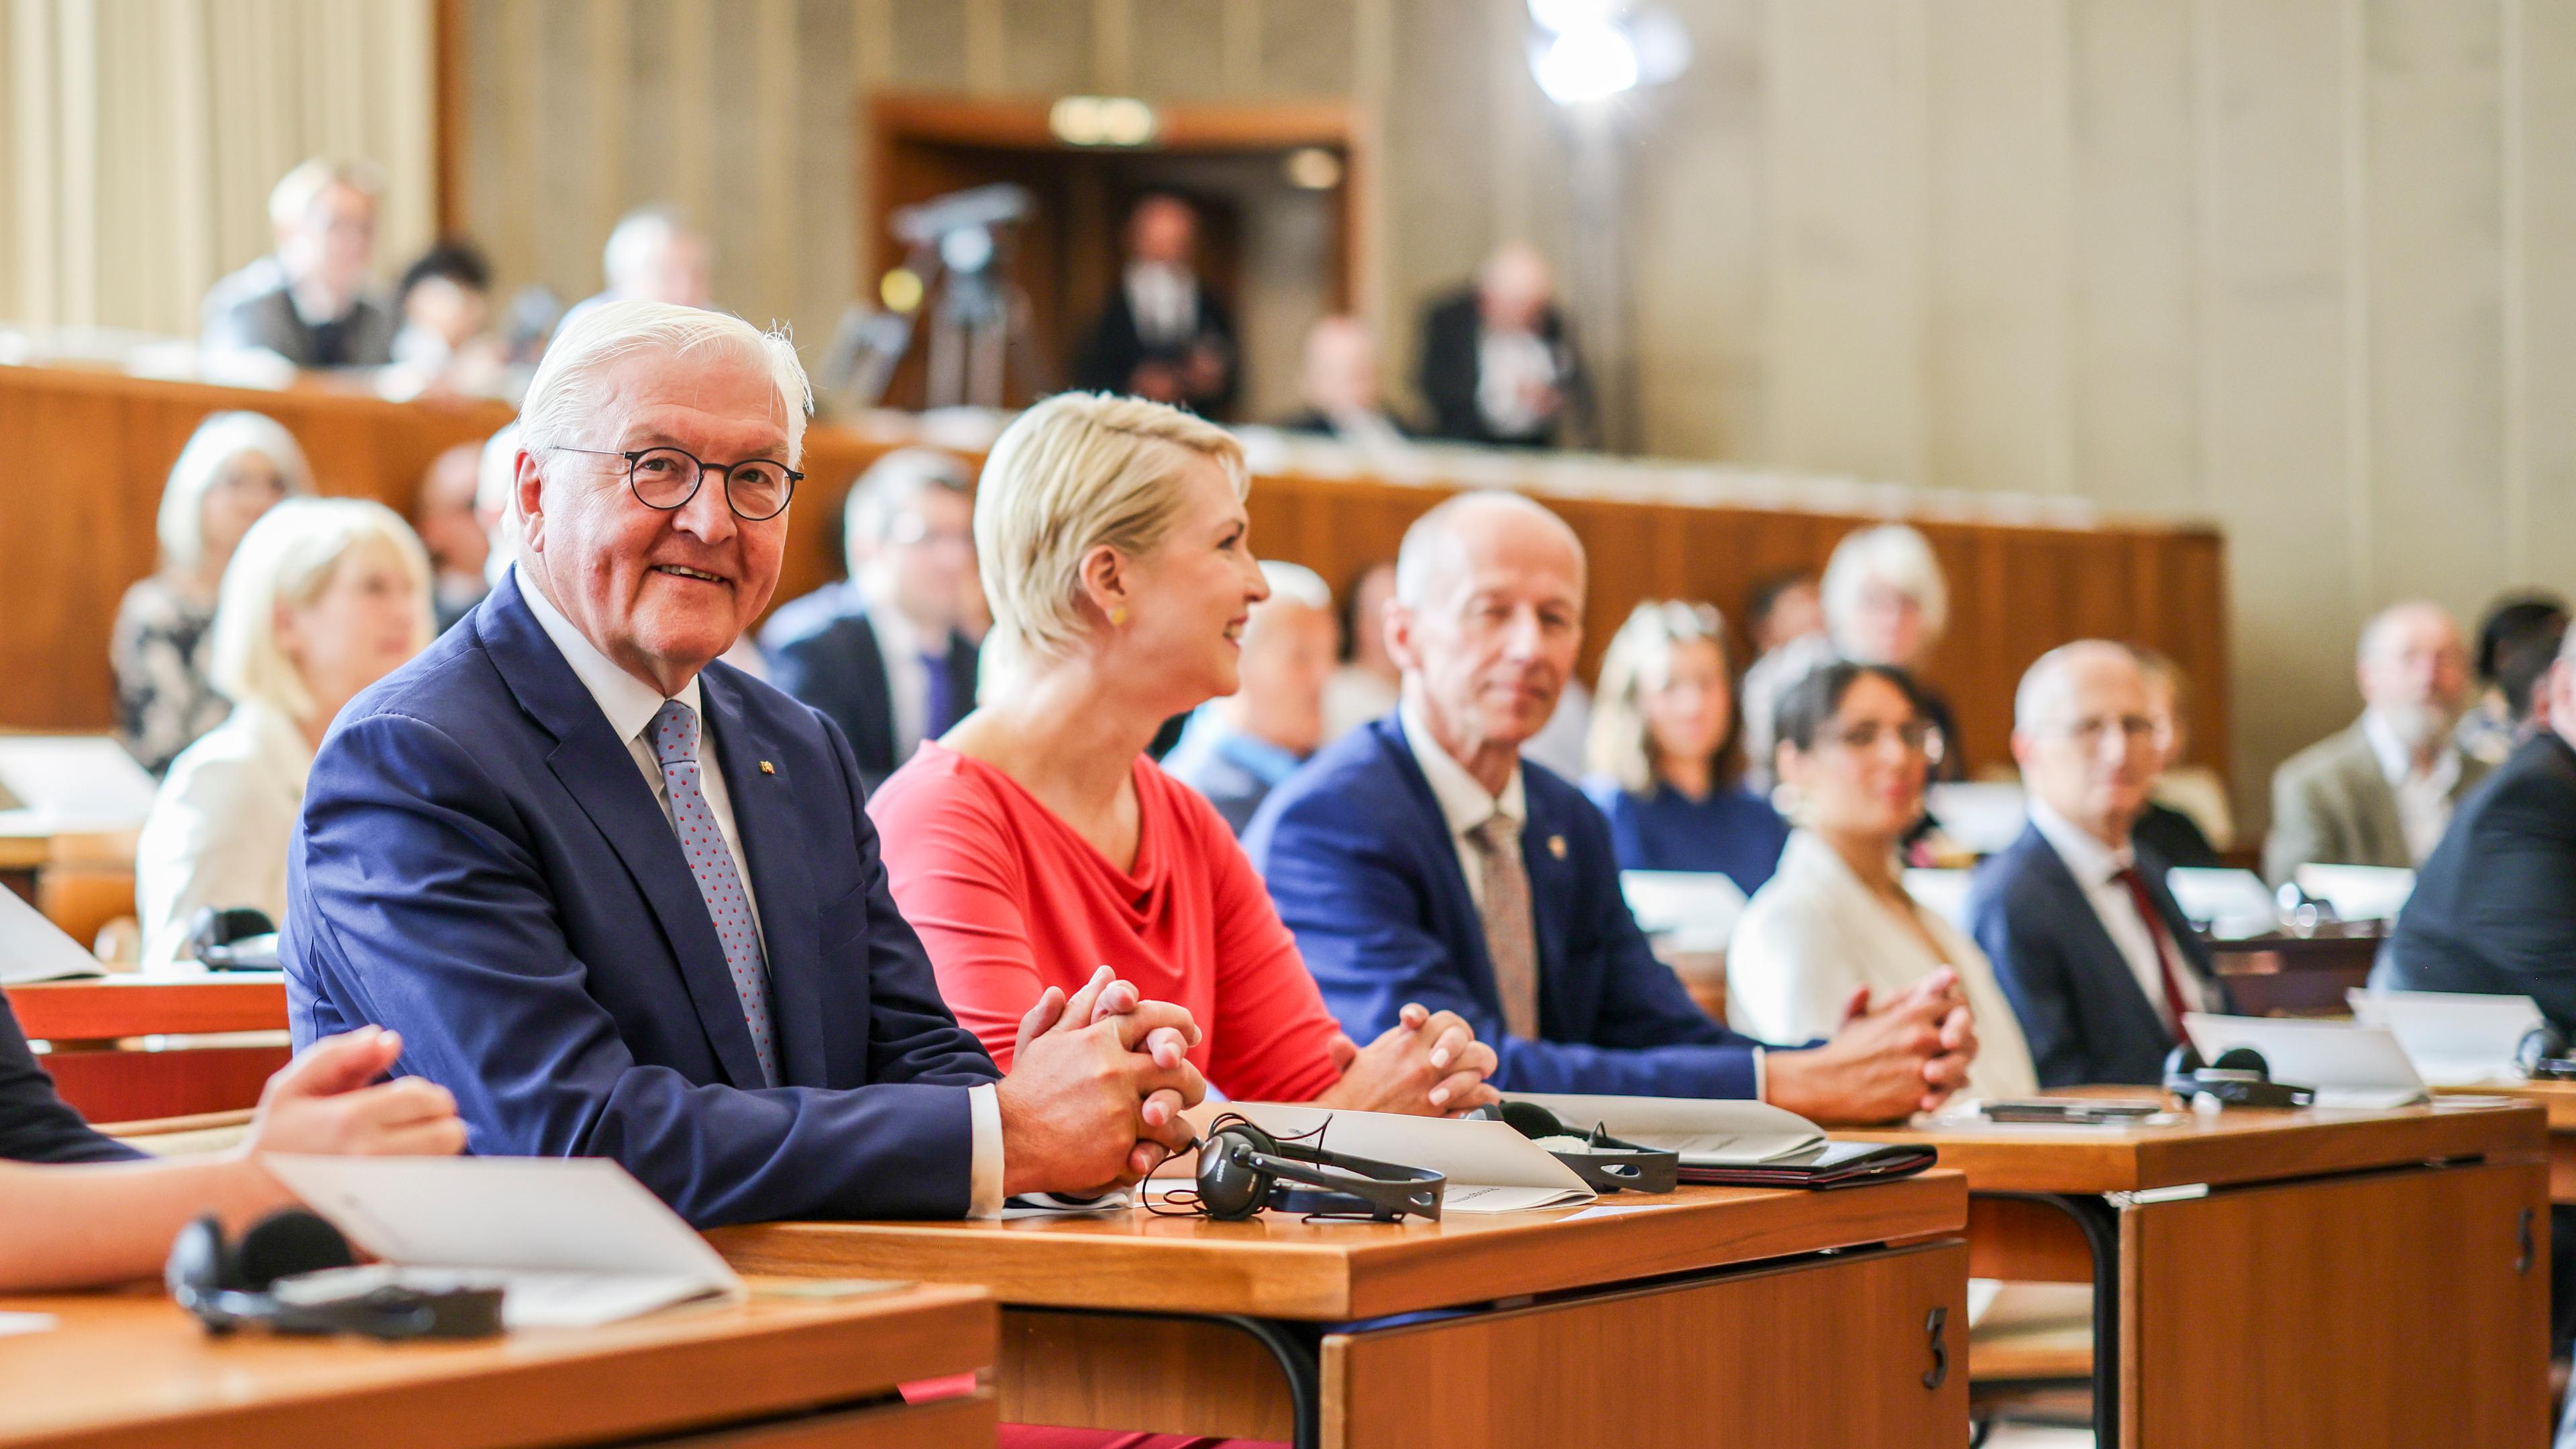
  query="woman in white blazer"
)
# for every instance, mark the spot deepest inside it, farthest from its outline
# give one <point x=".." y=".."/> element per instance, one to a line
<point x="324" y="597"/>
<point x="1855" y="747"/>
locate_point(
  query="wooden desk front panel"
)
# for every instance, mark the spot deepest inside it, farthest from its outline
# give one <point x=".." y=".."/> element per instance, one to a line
<point x="1827" y="1355"/>
<point x="2399" y="1310"/>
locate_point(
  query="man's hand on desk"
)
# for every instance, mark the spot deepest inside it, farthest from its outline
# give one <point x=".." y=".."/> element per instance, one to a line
<point x="1096" y="1090"/>
<point x="1429" y="1064"/>
<point x="1888" y="1062"/>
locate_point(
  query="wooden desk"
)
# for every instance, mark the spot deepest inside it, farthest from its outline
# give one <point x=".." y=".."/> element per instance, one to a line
<point x="79" y="880"/>
<point x="2559" y="1098"/>
<point x="1777" y="1318"/>
<point x="131" y="1371"/>
<point x="89" y="1024"/>
<point x="2285" y="1278"/>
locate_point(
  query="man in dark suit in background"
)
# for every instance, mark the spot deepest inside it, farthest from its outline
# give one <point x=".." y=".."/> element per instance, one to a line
<point x="1162" y="335"/>
<point x="1497" y="364"/>
<point x="1421" y="859"/>
<point x="2494" y="909"/>
<point x="623" y="900"/>
<point x="881" y="654"/>
<point x="2086" y="940"/>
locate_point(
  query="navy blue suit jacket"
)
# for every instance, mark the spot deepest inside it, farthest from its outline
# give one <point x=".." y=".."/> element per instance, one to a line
<point x="822" y="649"/>
<point x="1362" y="866"/>
<point x="482" y="867"/>
<point x="36" y="1124"/>
<point x="2082" y="1010"/>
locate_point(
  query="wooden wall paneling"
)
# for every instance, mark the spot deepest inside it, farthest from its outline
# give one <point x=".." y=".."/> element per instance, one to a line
<point x="2541" y="292"/>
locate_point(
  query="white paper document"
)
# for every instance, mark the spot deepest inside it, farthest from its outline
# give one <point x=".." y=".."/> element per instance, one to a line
<point x="2454" y="1038"/>
<point x="1491" y="1167"/>
<point x="2359" y="892"/>
<point x="2232" y="904"/>
<point x="573" y="1242"/>
<point x="15" y="1323"/>
<point x="72" y="783"/>
<point x="1705" y="1133"/>
<point x="35" y="949"/>
<point x="2350" y="1066"/>
<point x="1696" y="910"/>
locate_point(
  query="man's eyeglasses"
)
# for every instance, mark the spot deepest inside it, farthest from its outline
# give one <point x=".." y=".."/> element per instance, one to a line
<point x="667" y="478"/>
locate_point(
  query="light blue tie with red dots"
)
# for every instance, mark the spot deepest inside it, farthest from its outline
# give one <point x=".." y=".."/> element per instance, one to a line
<point x="675" y="741"/>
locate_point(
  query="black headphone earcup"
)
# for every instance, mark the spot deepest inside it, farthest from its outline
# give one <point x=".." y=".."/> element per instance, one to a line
<point x="1231" y="1189"/>
<point x="2181" y="1062"/>
<point x="199" y="1261"/>
<point x="2243" y="1059"/>
<point x="2543" y="1043"/>
<point x="286" y="1242"/>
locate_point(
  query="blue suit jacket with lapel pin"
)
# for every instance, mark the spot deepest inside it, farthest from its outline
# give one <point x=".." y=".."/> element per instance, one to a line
<point x="482" y="867"/>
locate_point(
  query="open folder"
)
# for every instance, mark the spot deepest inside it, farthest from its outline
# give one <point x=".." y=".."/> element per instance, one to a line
<point x="1491" y="1168"/>
<point x="572" y="1242"/>
<point x="1737" y="1143"/>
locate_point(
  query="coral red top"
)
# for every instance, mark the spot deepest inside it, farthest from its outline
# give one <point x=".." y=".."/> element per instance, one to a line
<point x="1009" y="901"/>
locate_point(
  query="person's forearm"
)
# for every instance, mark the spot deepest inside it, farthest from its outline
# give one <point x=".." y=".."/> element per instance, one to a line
<point x="85" y="1226"/>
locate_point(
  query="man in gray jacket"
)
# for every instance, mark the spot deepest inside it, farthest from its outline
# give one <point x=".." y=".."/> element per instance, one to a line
<point x="2381" y="792"/>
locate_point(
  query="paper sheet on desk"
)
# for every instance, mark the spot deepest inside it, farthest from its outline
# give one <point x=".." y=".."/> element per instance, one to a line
<point x="2455" y="1039"/>
<point x="574" y="1241"/>
<point x="1491" y="1168"/>
<point x="35" y="949"/>
<point x="64" y="784"/>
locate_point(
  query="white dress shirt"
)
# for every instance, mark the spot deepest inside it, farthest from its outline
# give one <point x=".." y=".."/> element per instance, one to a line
<point x="1814" y="933"/>
<point x="630" y="705"/>
<point x="1509" y="367"/>
<point x="2096" y="868"/>
<point x="1164" y="300"/>
<point x="220" y="827"/>
<point x="1465" y="805"/>
<point x="907" y="676"/>
<point x="2423" y="796"/>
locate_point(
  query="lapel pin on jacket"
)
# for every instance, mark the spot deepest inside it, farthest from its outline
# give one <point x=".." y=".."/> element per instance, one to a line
<point x="767" y="768"/>
<point x="1556" y="846"/>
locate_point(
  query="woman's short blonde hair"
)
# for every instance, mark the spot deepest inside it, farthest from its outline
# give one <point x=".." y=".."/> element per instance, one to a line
<point x="220" y="439"/>
<point x="1640" y="656"/>
<point x="1076" y="472"/>
<point x="1893" y="554"/>
<point x="286" y="561"/>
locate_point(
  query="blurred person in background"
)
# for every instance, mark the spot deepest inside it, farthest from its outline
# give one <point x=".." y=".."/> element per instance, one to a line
<point x="324" y="597"/>
<point x="2517" y="639"/>
<point x="313" y="301"/>
<point x="1342" y="400"/>
<point x="651" y="256"/>
<point x="236" y="467"/>
<point x="460" y="547"/>
<point x="2184" y="795"/>
<point x="1498" y="364"/>
<point x="1162" y="335"/>
<point x="1667" y="752"/>
<point x="1783" y="608"/>
<point x="1885" y="602"/>
<point x="446" y="347"/>
<point x="1365" y="686"/>
<point x="1237" y="748"/>
<point x="884" y="653"/>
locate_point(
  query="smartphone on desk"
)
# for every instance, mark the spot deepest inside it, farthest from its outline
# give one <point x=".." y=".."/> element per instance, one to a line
<point x="2068" y="1110"/>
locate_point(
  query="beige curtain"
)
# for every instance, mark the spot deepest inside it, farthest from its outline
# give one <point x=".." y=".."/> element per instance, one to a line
<point x="139" y="139"/>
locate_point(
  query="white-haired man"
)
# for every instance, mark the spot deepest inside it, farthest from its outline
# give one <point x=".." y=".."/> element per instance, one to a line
<point x="623" y="900"/>
<point x="313" y="301"/>
<point x="1240" y="748"/>
<point x="652" y="255"/>
<point x="885" y="654"/>
<point x="2381" y="791"/>
<point x="1420" y="859"/>
<point x="2085" y="939"/>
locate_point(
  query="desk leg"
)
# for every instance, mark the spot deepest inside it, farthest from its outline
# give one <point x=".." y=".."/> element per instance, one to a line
<point x="2100" y="1223"/>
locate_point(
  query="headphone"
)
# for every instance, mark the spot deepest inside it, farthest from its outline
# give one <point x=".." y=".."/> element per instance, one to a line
<point x="2239" y="1078"/>
<point x="2543" y="1054"/>
<point x="227" y="1285"/>
<point x="1243" y="1169"/>
<point x="1605" y="1163"/>
<point x="237" y="938"/>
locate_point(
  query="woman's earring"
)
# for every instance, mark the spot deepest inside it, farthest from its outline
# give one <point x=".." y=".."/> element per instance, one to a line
<point x="1786" y="799"/>
<point x="1118" y="617"/>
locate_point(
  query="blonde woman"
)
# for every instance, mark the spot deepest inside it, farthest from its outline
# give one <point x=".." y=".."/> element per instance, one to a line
<point x="235" y="468"/>
<point x="324" y="597"/>
<point x="1036" y="842"/>
<point x="1666" y="752"/>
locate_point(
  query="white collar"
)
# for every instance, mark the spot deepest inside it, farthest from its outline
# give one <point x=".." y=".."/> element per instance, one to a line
<point x="2397" y="762"/>
<point x="1463" y="802"/>
<point x="629" y="702"/>
<point x="2092" y="863"/>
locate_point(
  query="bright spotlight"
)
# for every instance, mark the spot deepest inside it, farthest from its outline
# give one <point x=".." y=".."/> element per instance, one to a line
<point x="1586" y="63"/>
